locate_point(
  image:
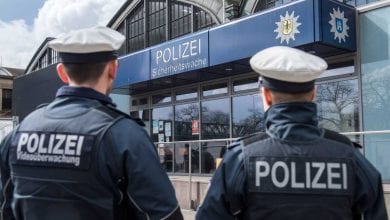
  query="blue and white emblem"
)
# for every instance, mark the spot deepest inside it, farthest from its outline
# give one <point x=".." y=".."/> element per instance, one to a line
<point x="287" y="27"/>
<point x="339" y="25"/>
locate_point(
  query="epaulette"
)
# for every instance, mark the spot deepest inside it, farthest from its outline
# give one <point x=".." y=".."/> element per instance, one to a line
<point x="332" y="135"/>
<point x="246" y="140"/>
<point x="115" y="113"/>
<point x="254" y="138"/>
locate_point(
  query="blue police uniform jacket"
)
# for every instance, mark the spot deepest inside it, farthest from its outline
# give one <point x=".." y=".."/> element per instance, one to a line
<point x="80" y="158"/>
<point x="294" y="171"/>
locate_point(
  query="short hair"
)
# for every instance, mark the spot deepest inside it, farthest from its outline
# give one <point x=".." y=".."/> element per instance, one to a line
<point x="281" y="97"/>
<point x="85" y="72"/>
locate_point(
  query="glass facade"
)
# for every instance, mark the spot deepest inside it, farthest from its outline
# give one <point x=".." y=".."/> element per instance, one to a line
<point x="181" y="19"/>
<point x="6" y="99"/>
<point x="162" y="124"/>
<point x="47" y="58"/>
<point x="199" y="127"/>
<point x="156" y="21"/>
<point x="248" y="114"/>
<point x="185" y="116"/>
<point x="375" y="69"/>
<point x="338" y="105"/>
<point x="215" y="119"/>
<point x="135" y="30"/>
<point x="202" y="19"/>
<point x="184" y="152"/>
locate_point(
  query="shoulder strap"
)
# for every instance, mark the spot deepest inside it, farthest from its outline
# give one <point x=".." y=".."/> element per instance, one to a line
<point x="332" y="135"/>
<point x="246" y="140"/>
<point x="115" y="113"/>
<point x="254" y="138"/>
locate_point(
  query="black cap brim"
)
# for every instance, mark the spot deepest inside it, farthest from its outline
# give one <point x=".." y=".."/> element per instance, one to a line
<point x="286" y="87"/>
<point x="88" y="57"/>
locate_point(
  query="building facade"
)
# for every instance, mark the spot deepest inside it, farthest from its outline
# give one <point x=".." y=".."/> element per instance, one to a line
<point x="6" y="86"/>
<point x="6" y="90"/>
<point x="184" y="71"/>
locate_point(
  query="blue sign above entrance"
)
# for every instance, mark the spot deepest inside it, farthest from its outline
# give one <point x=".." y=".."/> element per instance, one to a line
<point x="180" y="55"/>
<point x="325" y="27"/>
<point x="291" y="25"/>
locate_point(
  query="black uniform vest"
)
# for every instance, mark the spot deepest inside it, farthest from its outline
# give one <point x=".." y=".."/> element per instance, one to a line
<point x="54" y="167"/>
<point x="298" y="180"/>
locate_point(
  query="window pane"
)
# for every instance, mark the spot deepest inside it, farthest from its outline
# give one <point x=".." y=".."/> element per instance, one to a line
<point x="162" y="98"/>
<point x="215" y="119"/>
<point x="338" y="105"/>
<point x="338" y="71"/>
<point x="157" y="23"/>
<point x="375" y="69"/>
<point x="6" y="99"/>
<point x="186" y="122"/>
<point x="211" y="152"/>
<point x="248" y="113"/>
<point x="135" y="29"/>
<point x="121" y="29"/>
<point x="187" y="94"/>
<point x="143" y="101"/>
<point x="134" y="102"/>
<point x="162" y="119"/>
<point x="246" y="84"/>
<point x="216" y="89"/>
<point x="202" y="19"/>
<point x="165" y="151"/>
<point x="180" y="24"/>
<point x="182" y="162"/>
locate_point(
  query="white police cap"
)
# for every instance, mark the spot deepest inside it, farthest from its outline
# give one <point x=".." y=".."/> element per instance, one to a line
<point x="287" y="69"/>
<point x="89" y="45"/>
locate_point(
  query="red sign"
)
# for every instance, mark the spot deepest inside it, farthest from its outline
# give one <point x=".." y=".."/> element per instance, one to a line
<point x="195" y="127"/>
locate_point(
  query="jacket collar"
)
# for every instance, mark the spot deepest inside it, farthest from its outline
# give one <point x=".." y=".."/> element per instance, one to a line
<point x="294" y="121"/>
<point x="84" y="93"/>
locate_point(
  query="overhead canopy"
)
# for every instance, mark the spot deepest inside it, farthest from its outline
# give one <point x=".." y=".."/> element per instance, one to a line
<point x="325" y="28"/>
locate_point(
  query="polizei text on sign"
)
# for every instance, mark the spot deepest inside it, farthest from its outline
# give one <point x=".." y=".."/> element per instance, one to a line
<point x="179" y="56"/>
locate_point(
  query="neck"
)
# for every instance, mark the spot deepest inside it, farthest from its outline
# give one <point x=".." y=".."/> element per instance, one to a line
<point x="98" y="86"/>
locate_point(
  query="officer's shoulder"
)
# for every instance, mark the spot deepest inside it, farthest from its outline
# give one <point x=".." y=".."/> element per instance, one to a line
<point x="335" y="136"/>
<point x="42" y="105"/>
<point x="249" y="139"/>
<point x="116" y="113"/>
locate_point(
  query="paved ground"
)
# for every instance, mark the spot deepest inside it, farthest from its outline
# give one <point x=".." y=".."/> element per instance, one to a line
<point x="188" y="214"/>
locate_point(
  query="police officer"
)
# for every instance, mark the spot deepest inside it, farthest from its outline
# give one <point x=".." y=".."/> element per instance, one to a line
<point x="295" y="170"/>
<point x="79" y="157"/>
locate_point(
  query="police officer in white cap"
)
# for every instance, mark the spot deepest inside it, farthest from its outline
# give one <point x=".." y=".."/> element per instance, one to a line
<point x="79" y="158"/>
<point x="294" y="170"/>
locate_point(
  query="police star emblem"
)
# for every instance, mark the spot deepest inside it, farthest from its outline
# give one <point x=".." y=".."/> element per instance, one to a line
<point x="287" y="27"/>
<point x="339" y="25"/>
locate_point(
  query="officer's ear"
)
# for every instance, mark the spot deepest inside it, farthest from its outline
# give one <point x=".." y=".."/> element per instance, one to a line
<point x="62" y="73"/>
<point x="314" y="94"/>
<point x="267" y="97"/>
<point x="112" y="68"/>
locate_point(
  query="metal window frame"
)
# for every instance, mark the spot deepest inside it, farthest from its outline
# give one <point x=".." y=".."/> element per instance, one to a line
<point x="230" y="95"/>
<point x="181" y="19"/>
